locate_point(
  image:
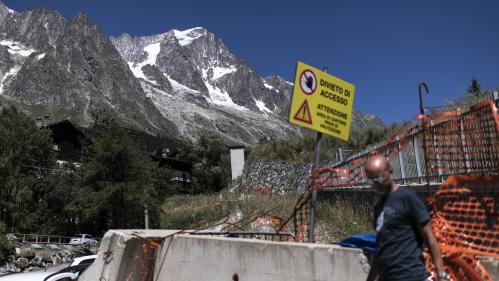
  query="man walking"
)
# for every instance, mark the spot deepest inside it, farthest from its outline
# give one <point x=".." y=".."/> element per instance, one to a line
<point x="402" y="223"/>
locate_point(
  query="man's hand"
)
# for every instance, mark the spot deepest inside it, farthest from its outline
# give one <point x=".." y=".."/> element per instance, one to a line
<point x="443" y="276"/>
<point x="436" y="256"/>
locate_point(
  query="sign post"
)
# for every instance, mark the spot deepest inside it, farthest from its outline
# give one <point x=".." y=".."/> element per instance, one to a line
<point x="323" y="103"/>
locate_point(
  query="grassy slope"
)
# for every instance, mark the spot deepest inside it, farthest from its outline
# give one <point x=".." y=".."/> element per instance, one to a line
<point x="335" y="221"/>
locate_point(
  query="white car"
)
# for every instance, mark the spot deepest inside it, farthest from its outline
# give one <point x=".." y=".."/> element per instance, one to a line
<point x="26" y="276"/>
<point x="83" y="260"/>
<point x="82" y="239"/>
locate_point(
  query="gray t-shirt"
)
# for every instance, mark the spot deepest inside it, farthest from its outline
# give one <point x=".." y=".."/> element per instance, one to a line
<point x="398" y="241"/>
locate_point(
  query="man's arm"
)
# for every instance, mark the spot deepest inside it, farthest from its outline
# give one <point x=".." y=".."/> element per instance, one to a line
<point x="373" y="272"/>
<point x="433" y="246"/>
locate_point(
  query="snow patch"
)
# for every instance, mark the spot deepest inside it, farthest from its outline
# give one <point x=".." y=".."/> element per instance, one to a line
<point x="152" y="51"/>
<point x="40" y="56"/>
<point x="268" y="86"/>
<point x="11" y="11"/>
<point x="222" y="98"/>
<point x="219" y="72"/>
<point x="177" y="87"/>
<point x="150" y="91"/>
<point x="16" y="48"/>
<point x="187" y="36"/>
<point x="12" y="72"/>
<point x="261" y="106"/>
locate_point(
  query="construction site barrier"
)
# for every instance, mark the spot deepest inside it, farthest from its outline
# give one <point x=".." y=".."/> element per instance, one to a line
<point x="462" y="147"/>
<point x="429" y="149"/>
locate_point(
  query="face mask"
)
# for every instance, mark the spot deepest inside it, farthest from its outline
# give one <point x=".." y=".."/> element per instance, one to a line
<point x="378" y="180"/>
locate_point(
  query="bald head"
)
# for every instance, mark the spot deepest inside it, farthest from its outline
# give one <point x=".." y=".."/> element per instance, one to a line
<point x="377" y="164"/>
<point x="379" y="175"/>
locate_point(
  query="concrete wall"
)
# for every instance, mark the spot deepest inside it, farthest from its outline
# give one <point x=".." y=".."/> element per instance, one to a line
<point x="193" y="257"/>
<point x="208" y="258"/>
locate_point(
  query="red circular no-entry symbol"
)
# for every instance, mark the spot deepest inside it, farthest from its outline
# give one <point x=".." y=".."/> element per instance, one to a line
<point x="308" y="82"/>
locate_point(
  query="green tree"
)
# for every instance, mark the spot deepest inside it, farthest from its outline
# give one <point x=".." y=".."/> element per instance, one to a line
<point x="26" y="158"/>
<point x="474" y="89"/>
<point x="6" y="248"/>
<point x="61" y="190"/>
<point x="211" y="169"/>
<point x="472" y="95"/>
<point x="118" y="183"/>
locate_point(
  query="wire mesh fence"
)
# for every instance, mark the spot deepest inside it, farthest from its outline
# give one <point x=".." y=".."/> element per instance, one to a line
<point x="431" y="148"/>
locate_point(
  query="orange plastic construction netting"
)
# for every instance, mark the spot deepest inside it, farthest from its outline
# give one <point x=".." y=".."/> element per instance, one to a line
<point x="433" y="148"/>
<point x="464" y="220"/>
<point x="463" y="143"/>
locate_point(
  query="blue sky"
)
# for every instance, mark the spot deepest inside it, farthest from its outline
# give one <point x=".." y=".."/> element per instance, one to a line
<point x="385" y="48"/>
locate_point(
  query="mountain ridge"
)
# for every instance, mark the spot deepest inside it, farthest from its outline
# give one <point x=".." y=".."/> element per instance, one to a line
<point x="177" y="82"/>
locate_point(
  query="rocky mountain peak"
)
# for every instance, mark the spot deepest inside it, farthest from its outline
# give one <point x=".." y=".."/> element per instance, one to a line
<point x="4" y="8"/>
<point x="186" y="37"/>
<point x="82" y="19"/>
<point x="177" y="82"/>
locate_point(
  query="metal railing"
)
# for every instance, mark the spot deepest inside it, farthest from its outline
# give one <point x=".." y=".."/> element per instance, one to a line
<point x="269" y="236"/>
<point x="431" y="149"/>
<point x="43" y="239"/>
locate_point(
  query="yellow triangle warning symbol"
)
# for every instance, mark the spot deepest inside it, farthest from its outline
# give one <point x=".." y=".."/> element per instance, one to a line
<point x="303" y="113"/>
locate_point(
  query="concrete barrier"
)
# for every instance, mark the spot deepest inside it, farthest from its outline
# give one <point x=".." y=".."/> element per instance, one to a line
<point x="182" y="257"/>
<point x="193" y="257"/>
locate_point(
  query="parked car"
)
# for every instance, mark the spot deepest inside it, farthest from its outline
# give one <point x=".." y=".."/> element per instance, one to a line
<point x="69" y="273"/>
<point x="26" y="276"/>
<point x="83" y="260"/>
<point x="82" y="239"/>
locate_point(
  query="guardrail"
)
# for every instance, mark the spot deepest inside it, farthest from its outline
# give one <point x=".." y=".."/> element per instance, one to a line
<point x="43" y="239"/>
<point x="269" y="236"/>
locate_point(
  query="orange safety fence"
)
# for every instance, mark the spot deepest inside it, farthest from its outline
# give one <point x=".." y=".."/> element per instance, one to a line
<point x="460" y="146"/>
<point x="464" y="217"/>
<point x="149" y="248"/>
<point x="465" y="142"/>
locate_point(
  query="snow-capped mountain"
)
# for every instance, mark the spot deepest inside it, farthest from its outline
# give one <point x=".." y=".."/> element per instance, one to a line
<point x="177" y="83"/>
<point x="197" y="83"/>
<point x="69" y="69"/>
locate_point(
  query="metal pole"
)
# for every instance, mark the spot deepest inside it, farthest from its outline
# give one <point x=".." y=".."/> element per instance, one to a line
<point x="340" y="154"/>
<point x="313" y="205"/>
<point x="416" y="156"/>
<point x="401" y="162"/>
<point x="146" y="217"/>
<point x="425" y="149"/>
<point x="467" y="164"/>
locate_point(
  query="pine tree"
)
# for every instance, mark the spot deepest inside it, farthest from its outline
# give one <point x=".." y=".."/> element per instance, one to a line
<point x="26" y="158"/>
<point x="118" y="182"/>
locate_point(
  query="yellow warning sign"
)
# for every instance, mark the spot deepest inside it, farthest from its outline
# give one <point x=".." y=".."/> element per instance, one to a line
<point x="321" y="102"/>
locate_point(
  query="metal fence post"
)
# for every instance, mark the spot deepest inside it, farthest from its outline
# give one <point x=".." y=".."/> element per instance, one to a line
<point x="313" y="205"/>
<point x="416" y="157"/>
<point x="439" y="163"/>
<point x="401" y="161"/>
<point x="467" y="164"/>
